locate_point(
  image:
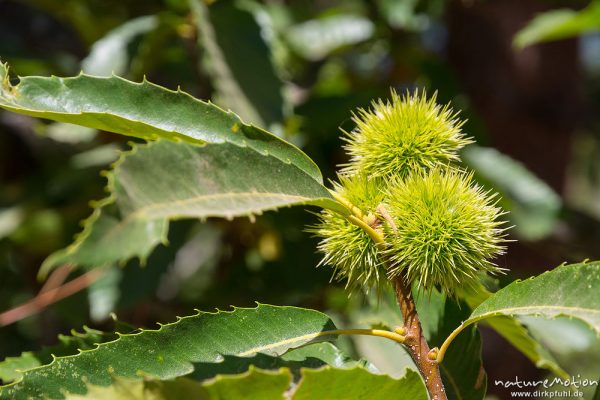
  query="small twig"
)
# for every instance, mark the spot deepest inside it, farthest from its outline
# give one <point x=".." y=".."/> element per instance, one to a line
<point x="56" y="278"/>
<point x="442" y="351"/>
<point x="49" y="296"/>
<point x="396" y="335"/>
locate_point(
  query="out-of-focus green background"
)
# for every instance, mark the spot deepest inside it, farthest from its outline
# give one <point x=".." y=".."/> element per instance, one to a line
<point x="299" y="68"/>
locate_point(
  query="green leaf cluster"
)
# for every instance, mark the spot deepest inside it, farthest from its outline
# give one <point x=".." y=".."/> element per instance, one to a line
<point x="202" y="161"/>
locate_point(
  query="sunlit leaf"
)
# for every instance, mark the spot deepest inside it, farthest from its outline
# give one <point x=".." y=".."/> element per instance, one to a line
<point x="314" y="39"/>
<point x="559" y="24"/>
<point x="569" y="290"/>
<point x="109" y="55"/>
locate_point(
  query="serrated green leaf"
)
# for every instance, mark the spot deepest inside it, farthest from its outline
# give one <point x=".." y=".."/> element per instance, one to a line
<point x="11" y="366"/>
<point x="534" y="207"/>
<point x="107" y="239"/>
<point x="244" y="76"/>
<point x="255" y="384"/>
<point x="175" y="181"/>
<point x="559" y="24"/>
<point x="141" y="110"/>
<point x="164" y="180"/>
<point x="568" y="290"/>
<point x="172" y="350"/>
<point x="517" y="334"/>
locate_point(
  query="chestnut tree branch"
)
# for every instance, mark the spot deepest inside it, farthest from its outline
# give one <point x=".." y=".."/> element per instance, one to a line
<point x="48" y="296"/>
<point x="415" y="342"/>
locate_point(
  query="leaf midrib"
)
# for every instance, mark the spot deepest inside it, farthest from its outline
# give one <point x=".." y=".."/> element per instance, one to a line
<point x="121" y="336"/>
<point x="142" y="211"/>
<point x="512" y="311"/>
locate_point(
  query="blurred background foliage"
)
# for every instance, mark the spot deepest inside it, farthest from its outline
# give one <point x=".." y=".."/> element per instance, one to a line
<point x="526" y="75"/>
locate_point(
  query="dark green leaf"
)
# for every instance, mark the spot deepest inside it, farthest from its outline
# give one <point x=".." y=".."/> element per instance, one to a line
<point x="142" y="110"/>
<point x="239" y="61"/>
<point x="165" y="180"/>
<point x="67" y="345"/>
<point x="172" y="350"/>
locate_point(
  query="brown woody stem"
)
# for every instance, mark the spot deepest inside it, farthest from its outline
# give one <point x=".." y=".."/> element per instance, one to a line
<point x="415" y="342"/>
<point x="49" y="296"/>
